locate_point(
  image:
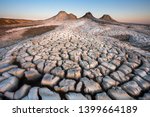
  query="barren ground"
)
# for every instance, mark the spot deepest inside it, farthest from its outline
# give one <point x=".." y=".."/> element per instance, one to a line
<point x="78" y="60"/>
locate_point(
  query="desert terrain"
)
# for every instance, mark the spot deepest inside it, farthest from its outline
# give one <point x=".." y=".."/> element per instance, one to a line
<point x="70" y="58"/>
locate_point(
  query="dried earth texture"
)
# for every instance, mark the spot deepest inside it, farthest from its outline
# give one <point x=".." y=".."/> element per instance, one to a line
<point x="79" y="60"/>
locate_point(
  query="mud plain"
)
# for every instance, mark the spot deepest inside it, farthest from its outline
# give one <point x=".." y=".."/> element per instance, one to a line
<point x="75" y="60"/>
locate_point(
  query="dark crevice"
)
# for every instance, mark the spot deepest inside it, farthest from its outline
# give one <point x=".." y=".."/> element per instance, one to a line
<point x="17" y="63"/>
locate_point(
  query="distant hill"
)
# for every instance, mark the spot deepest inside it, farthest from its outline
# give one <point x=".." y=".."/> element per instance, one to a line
<point x="88" y="15"/>
<point x="7" y="21"/>
<point x="107" y="18"/>
<point x="62" y="15"/>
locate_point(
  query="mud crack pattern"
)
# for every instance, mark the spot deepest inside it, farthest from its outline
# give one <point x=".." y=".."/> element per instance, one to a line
<point x="68" y="64"/>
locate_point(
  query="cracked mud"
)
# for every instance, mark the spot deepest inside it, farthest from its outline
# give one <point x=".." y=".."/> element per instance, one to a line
<point x="70" y="64"/>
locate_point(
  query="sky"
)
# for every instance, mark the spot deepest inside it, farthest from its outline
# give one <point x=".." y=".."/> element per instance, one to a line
<point x="134" y="11"/>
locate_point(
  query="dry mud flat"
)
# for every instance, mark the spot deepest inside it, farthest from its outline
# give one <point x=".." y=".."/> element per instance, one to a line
<point x="75" y="62"/>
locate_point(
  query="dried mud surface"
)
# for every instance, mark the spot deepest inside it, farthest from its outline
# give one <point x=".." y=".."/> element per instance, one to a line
<point x="79" y="60"/>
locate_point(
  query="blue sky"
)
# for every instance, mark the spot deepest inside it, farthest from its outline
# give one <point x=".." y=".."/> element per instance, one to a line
<point x="122" y="10"/>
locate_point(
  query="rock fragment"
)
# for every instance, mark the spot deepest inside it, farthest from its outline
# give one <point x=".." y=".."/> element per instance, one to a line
<point x="9" y="95"/>
<point x="109" y="66"/>
<point x="58" y="72"/>
<point x="49" y="80"/>
<point x="40" y="67"/>
<point x="73" y="74"/>
<point x="17" y="72"/>
<point x="20" y="93"/>
<point x="32" y="75"/>
<point x="47" y="94"/>
<point x="140" y="72"/>
<point x="9" y="84"/>
<point x="33" y="93"/>
<point x="132" y="88"/>
<point x="142" y="83"/>
<point x="119" y="76"/>
<point x="66" y="85"/>
<point x="125" y="69"/>
<point x="118" y="94"/>
<point x="108" y="82"/>
<point x="79" y="87"/>
<point x="102" y="96"/>
<point x="91" y="86"/>
<point x="6" y="67"/>
<point x="75" y="96"/>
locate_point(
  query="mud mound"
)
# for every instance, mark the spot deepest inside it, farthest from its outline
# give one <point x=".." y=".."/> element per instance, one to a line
<point x="108" y="18"/>
<point x="62" y="15"/>
<point x="88" y="15"/>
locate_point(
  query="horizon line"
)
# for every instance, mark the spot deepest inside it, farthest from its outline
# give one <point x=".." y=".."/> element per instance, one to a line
<point x="38" y="19"/>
